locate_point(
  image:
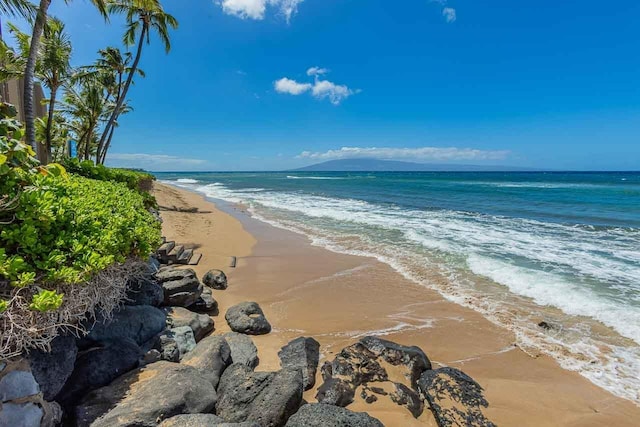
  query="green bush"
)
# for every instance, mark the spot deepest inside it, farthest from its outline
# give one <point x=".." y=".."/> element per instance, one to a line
<point x="135" y="180"/>
<point x="58" y="228"/>
<point x="71" y="228"/>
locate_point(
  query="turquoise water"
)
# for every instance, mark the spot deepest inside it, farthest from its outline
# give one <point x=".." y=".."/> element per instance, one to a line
<point x="518" y="247"/>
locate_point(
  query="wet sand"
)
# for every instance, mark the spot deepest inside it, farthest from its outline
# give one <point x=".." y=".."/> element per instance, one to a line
<point x="309" y="291"/>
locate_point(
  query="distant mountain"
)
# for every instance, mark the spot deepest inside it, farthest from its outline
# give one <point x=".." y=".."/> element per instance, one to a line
<point x="375" y="165"/>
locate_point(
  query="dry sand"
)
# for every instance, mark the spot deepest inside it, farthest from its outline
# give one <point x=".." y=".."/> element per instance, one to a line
<point x="309" y="291"/>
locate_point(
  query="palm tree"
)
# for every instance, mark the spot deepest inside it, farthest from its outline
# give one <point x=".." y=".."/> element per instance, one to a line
<point x="111" y="69"/>
<point x="29" y="72"/>
<point x="55" y="70"/>
<point x="22" y="8"/>
<point x="142" y="16"/>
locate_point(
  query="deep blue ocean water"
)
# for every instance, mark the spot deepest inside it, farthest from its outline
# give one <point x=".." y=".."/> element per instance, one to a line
<point x="564" y="245"/>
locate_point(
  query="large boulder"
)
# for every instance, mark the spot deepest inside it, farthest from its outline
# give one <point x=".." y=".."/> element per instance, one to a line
<point x="302" y="353"/>
<point x="215" y="279"/>
<point x="139" y="323"/>
<point x="202" y="420"/>
<point x="144" y="291"/>
<point x="370" y="363"/>
<point x="52" y="369"/>
<point x="21" y="415"/>
<point x="243" y="350"/>
<point x="181" y="286"/>
<point x="268" y="398"/>
<point x="247" y="318"/>
<point x="206" y="303"/>
<point x="454" y="398"/>
<point x="99" y="366"/>
<point x="211" y="357"/>
<point x="321" y="415"/>
<point x="18" y="384"/>
<point x="147" y="396"/>
<point x="200" y="324"/>
<point x="182" y="337"/>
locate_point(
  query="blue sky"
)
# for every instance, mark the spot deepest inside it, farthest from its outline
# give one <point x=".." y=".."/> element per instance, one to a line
<point x="275" y="84"/>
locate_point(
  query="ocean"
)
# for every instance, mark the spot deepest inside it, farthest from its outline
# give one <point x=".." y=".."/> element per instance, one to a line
<point x="553" y="256"/>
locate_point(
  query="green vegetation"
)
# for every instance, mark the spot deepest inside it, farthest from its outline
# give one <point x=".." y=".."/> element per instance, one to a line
<point x="64" y="228"/>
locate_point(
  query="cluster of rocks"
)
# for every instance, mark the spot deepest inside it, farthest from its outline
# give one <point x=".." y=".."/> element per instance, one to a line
<point x="155" y="363"/>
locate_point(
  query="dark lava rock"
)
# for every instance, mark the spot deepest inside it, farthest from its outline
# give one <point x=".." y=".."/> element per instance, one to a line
<point x="320" y="415"/>
<point x="247" y="318"/>
<point x="147" y="396"/>
<point x="182" y="337"/>
<point x="363" y="364"/>
<point x="144" y="291"/>
<point x="243" y="350"/>
<point x="268" y="398"/>
<point x="168" y="348"/>
<point x="202" y="420"/>
<point x="99" y="366"/>
<point x="334" y="391"/>
<point x="139" y="323"/>
<point x="302" y="353"/>
<point x="206" y="303"/>
<point x="181" y="286"/>
<point x="211" y="357"/>
<point x="454" y="397"/>
<point x="52" y="370"/>
<point x="200" y="324"/>
<point x="215" y="279"/>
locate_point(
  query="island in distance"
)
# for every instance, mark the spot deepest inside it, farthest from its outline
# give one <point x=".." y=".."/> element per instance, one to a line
<point x="376" y="165"/>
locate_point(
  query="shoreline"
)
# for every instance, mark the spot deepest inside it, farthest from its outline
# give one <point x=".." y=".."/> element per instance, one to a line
<point x="310" y="291"/>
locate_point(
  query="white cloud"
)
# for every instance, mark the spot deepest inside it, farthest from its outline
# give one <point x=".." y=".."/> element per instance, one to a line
<point x="320" y="89"/>
<point x="292" y="87"/>
<point x="316" y="71"/>
<point x="336" y="93"/>
<point x="153" y="162"/>
<point x="255" y="9"/>
<point x="449" y="14"/>
<point x="421" y="153"/>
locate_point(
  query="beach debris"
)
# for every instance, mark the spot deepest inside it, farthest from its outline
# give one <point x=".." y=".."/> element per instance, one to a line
<point x="321" y="415"/>
<point x="375" y="364"/>
<point x="215" y="279"/>
<point x="98" y="367"/>
<point x="211" y="357"/>
<point x="200" y="324"/>
<point x="146" y="396"/>
<point x="302" y="353"/>
<point x="247" y="318"/>
<point x="181" y="286"/>
<point x="454" y="398"/>
<point x="268" y="398"/>
<point x="243" y="350"/>
<point x="233" y="262"/>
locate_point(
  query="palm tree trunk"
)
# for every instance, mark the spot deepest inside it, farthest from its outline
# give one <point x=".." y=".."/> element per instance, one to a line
<point x="52" y="104"/>
<point x="107" y="145"/>
<point x="100" y="144"/>
<point x="134" y="67"/>
<point x="29" y="74"/>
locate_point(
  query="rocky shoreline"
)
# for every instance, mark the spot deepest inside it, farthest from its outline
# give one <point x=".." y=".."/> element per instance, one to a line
<point x="159" y="362"/>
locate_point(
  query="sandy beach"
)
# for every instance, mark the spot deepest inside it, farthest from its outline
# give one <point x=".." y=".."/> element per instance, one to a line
<point x="309" y="291"/>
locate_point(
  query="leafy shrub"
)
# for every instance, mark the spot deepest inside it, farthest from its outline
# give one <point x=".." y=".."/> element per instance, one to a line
<point x="56" y="228"/>
<point x="135" y="180"/>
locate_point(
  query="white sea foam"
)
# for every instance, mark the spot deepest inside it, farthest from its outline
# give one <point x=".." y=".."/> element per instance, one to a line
<point x="187" y="181"/>
<point x="583" y="271"/>
<point x="314" y="177"/>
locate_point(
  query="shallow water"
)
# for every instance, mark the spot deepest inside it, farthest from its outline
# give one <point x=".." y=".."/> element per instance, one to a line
<point x="518" y="247"/>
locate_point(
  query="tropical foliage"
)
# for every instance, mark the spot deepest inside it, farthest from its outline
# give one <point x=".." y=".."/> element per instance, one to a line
<point x="85" y="102"/>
